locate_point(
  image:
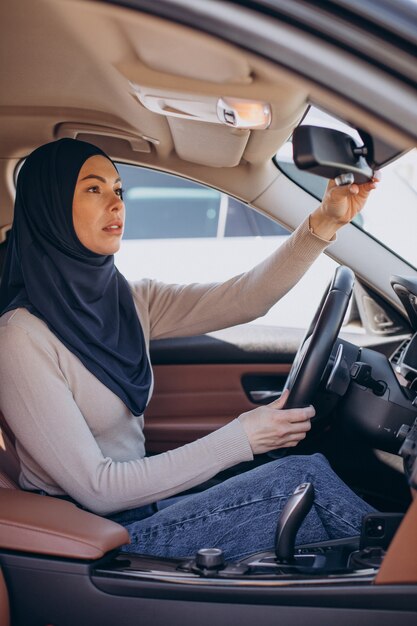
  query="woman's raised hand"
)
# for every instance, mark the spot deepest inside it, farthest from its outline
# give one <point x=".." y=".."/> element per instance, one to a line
<point x="339" y="206"/>
<point x="271" y="426"/>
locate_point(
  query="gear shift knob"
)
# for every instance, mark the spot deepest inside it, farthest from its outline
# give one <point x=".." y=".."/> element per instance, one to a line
<point x="290" y="520"/>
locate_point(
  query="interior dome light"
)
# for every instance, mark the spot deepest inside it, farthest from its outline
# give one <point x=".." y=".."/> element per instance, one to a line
<point x="244" y="113"/>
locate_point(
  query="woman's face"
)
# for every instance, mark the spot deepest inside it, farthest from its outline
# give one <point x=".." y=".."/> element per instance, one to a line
<point x="98" y="211"/>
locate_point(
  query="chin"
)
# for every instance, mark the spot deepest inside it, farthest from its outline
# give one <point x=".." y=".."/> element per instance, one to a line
<point x="106" y="249"/>
<point x="111" y="250"/>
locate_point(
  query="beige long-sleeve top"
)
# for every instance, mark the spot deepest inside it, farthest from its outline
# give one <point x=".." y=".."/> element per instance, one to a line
<point x="76" y="437"/>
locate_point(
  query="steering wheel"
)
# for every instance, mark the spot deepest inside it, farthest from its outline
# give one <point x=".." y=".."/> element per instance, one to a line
<point x="314" y="352"/>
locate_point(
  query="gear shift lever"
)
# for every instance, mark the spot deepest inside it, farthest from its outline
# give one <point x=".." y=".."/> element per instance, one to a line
<point x="290" y="520"/>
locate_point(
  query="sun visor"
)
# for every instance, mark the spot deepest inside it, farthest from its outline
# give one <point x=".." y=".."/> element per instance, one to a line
<point x="208" y="144"/>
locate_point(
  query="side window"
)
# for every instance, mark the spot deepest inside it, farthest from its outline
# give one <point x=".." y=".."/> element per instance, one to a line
<point x="242" y="221"/>
<point x="178" y="231"/>
<point x="160" y="206"/>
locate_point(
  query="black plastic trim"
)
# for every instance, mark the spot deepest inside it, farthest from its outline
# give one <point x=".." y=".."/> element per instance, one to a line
<point x="350" y="26"/>
<point x="51" y="591"/>
<point x="74" y="581"/>
<point x="240" y="344"/>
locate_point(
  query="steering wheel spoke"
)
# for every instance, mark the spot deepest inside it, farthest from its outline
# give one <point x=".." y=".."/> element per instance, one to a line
<point x="314" y="352"/>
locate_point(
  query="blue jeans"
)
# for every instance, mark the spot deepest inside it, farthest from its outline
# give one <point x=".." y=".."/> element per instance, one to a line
<point x="240" y="515"/>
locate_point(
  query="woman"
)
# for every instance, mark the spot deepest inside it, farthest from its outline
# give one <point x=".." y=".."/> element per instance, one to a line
<point x="75" y="374"/>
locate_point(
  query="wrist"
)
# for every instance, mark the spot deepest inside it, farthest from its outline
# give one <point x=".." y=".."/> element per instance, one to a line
<point x="322" y="226"/>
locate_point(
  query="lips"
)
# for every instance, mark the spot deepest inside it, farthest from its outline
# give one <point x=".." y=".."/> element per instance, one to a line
<point x="115" y="227"/>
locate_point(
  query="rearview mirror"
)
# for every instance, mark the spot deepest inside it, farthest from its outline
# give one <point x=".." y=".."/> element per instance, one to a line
<point x="330" y="153"/>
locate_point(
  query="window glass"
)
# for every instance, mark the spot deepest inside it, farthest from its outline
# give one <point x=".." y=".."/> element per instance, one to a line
<point x="390" y="214"/>
<point x="178" y="231"/>
<point x="242" y="221"/>
<point x="160" y="206"/>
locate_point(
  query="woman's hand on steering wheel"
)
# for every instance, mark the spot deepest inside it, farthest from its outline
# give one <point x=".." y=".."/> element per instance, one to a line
<point x="270" y="426"/>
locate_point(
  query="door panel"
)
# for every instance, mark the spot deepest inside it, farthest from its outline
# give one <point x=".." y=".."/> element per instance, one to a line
<point x="191" y="401"/>
<point x="202" y="383"/>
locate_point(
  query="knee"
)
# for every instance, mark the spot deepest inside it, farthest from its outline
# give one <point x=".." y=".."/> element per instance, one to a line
<point x="319" y="460"/>
<point x="304" y="466"/>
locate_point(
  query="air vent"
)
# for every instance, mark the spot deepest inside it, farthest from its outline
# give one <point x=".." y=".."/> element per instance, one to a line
<point x="399" y="353"/>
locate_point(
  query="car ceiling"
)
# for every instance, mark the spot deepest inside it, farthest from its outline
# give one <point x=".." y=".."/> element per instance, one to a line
<point x="76" y="67"/>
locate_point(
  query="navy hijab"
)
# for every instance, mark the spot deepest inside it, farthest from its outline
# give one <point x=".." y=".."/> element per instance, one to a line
<point x="81" y="296"/>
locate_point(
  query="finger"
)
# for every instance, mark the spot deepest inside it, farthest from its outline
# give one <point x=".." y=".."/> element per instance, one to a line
<point x="372" y="184"/>
<point x="294" y="429"/>
<point x="339" y="193"/>
<point x="296" y="437"/>
<point x="300" y="415"/>
<point x="280" y="402"/>
<point x="292" y="440"/>
<point x="299" y="427"/>
<point x="289" y="432"/>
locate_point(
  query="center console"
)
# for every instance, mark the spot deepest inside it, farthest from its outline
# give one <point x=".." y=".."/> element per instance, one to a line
<point x="73" y="570"/>
<point x="312" y="564"/>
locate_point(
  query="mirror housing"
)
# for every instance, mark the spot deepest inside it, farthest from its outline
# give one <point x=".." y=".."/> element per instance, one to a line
<point x="330" y="153"/>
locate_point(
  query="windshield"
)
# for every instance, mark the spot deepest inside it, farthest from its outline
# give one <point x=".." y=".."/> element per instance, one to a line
<point x="390" y="214"/>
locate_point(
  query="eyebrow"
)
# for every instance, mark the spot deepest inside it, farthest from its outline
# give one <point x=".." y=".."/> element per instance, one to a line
<point x="103" y="180"/>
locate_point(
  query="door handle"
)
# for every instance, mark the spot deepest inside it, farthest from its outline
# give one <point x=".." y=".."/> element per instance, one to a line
<point x="261" y="395"/>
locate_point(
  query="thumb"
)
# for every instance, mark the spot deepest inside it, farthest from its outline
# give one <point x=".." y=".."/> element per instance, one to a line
<point x="280" y="402"/>
<point x="354" y="189"/>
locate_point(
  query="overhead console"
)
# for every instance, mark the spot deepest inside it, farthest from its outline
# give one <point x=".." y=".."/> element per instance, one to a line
<point x="211" y="90"/>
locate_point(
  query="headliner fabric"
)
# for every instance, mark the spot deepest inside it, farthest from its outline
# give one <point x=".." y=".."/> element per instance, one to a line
<point x="80" y="295"/>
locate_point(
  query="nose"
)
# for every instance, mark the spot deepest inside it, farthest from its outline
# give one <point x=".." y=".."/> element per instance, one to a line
<point x="116" y="204"/>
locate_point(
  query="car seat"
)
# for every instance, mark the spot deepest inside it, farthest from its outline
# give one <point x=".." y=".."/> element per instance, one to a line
<point x="43" y="525"/>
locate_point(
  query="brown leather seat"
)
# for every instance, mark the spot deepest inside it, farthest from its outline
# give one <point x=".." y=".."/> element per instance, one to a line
<point x="31" y="522"/>
<point x="9" y="476"/>
<point x="9" y="462"/>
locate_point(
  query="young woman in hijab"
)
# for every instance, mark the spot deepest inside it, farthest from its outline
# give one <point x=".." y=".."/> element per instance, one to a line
<point x="75" y="376"/>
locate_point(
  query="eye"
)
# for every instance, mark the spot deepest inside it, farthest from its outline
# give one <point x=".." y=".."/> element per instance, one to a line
<point x="94" y="189"/>
<point x="119" y="192"/>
